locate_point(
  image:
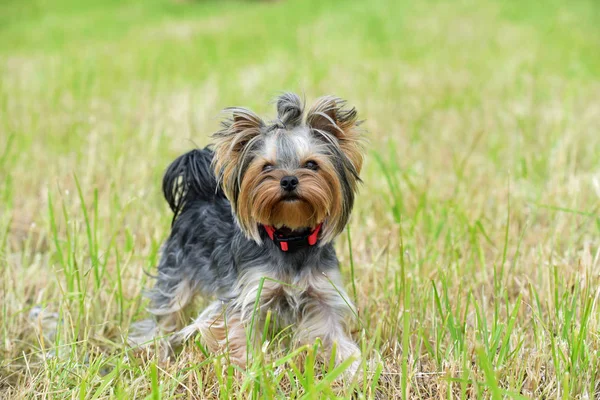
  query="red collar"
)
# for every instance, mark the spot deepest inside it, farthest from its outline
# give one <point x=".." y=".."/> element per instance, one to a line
<point x="293" y="243"/>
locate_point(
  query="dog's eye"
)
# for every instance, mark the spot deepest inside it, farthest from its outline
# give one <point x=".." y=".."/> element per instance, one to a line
<point x="311" y="165"/>
<point x="267" y="167"/>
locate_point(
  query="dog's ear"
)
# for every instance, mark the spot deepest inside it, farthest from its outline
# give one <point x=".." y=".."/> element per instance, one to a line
<point x="238" y="130"/>
<point x="232" y="143"/>
<point x="329" y="117"/>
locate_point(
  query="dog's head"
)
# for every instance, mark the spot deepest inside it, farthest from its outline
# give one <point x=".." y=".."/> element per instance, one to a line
<point x="293" y="173"/>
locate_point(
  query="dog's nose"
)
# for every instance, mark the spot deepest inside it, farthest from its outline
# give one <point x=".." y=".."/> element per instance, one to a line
<point x="289" y="183"/>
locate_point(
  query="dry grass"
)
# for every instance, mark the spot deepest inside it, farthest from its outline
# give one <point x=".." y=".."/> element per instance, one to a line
<point x="475" y="240"/>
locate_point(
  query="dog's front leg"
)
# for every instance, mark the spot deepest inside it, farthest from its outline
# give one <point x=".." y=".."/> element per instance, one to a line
<point x="233" y="325"/>
<point x="325" y="314"/>
<point x="221" y="328"/>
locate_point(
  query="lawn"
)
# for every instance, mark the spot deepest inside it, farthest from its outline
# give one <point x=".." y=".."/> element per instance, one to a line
<point x="473" y="252"/>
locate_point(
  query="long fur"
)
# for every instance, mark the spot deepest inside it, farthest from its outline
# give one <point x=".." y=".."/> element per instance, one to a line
<point x="217" y="249"/>
<point x="186" y="179"/>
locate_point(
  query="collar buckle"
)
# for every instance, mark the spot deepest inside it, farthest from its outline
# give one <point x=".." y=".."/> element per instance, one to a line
<point x="293" y="243"/>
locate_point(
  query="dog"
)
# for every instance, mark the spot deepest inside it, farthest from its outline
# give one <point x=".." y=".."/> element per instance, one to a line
<point x="255" y="216"/>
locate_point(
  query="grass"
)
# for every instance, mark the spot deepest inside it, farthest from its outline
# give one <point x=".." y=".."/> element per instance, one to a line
<point x="475" y="241"/>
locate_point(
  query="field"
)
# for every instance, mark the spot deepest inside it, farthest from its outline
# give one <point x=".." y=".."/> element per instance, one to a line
<point x="473" y="252"/>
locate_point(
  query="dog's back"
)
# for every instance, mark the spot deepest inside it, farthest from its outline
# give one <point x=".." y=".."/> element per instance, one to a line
<point x="197" y="256"/>
<point x="258" y="234"/>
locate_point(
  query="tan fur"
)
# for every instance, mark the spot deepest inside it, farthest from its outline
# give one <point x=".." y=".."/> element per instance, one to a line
<point x="328" y="115"/>
<point x="313" y="301"/>
<point x="221" y="329"/>
<point x="246" y="201"/>
<point x="256" y="195"/>
<point x="261" y="198"/>
<point x="328" y="183"/>
<point x="225" y="326"/>
<point x="230" y="143"/>
<point x="316" y="303"/>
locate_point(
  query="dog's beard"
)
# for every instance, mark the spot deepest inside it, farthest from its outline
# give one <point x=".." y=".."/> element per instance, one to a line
<point x="263" y="202"/>
<point x="306" y="209"/>
<point x="295" y="214"/>
<point x="327" y="135"/>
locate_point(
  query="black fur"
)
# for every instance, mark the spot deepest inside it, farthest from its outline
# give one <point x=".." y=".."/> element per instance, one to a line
<point x="206" y="246"/>
<point x="289" y="109"/>
<point x="186" y="179"/>
<point x="208" y="253"/>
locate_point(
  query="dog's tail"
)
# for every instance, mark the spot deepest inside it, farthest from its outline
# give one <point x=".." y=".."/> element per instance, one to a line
<point x="190" y="177"/>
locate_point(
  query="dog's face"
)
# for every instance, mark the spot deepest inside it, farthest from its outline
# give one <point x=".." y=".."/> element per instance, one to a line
<point x="294" y="173"/>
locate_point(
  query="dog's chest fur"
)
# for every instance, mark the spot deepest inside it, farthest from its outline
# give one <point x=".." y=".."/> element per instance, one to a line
<point x="287" y="294"/>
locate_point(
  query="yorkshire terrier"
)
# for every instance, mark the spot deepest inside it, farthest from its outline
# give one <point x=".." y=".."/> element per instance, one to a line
<point x="254" y="221"/>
